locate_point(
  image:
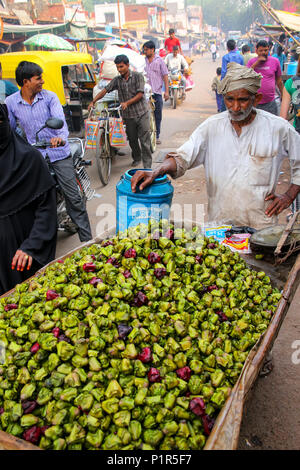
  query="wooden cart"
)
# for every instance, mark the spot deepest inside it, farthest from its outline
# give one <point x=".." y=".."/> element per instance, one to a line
<point x="225" y="433"/>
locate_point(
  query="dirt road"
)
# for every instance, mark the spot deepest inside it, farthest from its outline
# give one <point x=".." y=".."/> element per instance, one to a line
<point x="272" y="418"/>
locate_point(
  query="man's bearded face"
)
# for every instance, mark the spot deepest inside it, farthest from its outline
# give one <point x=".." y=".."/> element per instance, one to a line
<point x="239" y="104"/>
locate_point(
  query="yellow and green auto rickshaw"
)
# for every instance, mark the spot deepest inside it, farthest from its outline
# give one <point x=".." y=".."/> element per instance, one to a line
<point x="68" y="74"/>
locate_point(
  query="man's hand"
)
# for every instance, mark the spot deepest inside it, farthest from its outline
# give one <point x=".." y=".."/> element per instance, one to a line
<point x="57" y="142"/>
<point x="147" y="178"/>
<point x="124" y="105"/>
<point x="91" y="106"/>
<point x="280" y="202"/>
<point x="166" y="95"/>
<point x="261" y="59"/>
<point x="20" y="260"/>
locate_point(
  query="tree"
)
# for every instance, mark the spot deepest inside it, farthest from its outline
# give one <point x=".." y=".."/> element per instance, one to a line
<point x="233" y="14"/>
<point x="88" y="5"/>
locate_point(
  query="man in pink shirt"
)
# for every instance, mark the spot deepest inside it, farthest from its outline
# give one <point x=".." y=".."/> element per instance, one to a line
<point x="269" y="68"/>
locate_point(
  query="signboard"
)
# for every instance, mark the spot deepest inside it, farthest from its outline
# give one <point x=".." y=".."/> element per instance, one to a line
<point x="152" y="11"/>
<point x="185" y="46"/>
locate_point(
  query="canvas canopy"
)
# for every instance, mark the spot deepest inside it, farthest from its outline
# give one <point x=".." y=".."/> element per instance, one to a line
<point x="289" y="20"/>
<point x="18" y="28"/>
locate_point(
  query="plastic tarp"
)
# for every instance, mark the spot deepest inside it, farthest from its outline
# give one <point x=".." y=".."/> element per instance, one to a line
<point x="289" y="20"/>
<point x="137" y="61"/>
<point x="18" y="28"/>
<point x="23" y="16"/>
<point x="79" y="32"/>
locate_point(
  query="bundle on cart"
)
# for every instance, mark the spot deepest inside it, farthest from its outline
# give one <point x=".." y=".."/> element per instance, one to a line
<point x="132" y="343"/>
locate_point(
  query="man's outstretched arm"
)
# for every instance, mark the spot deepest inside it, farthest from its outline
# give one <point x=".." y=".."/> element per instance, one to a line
<point x="147" y="177"/>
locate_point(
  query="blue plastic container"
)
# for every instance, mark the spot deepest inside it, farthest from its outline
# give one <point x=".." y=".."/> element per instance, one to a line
<point x="292" y="68"/>
<point x="153" y="202"/>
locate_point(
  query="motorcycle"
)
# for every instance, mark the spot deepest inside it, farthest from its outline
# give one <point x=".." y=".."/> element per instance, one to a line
<point x="176" y="88"/>
<point x="82" y="178"/>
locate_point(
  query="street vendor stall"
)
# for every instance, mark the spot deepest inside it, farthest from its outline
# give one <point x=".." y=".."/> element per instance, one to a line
<point x="123" y="263"/>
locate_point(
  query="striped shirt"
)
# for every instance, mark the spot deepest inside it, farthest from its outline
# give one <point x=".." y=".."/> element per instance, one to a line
<point x="31" y="117"/>
<point x="156" y="71"/>
<point x="128" y="89"/>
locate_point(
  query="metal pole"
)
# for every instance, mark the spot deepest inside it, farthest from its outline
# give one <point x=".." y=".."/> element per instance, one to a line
<point x="120" y="28"/>
<point x="1" y="28"/>
<point x="165" y="18"/>
<point x="267" y="32"/>
<point x="202" y="29"/>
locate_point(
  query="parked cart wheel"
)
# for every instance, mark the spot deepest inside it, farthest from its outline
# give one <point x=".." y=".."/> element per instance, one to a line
<point x="103" y="156"/>
<point x="152" y="132"/>
<point x="175" y="99"/>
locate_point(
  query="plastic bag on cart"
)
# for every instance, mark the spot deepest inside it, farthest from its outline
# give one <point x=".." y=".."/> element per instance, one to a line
<point x="112" y="96"/>
<point x="108" y="70"/>
<point x="117" y="134"/>
<point x="136" y="60"/>
<point x="91" y="132"/>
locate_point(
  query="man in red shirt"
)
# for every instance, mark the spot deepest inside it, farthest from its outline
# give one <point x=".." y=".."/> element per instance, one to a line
<point x="172" y="41"/>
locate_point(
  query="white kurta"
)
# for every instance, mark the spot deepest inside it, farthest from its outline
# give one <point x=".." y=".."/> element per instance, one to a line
<point x="241" y="171"/>
<point x="177" y="62"/>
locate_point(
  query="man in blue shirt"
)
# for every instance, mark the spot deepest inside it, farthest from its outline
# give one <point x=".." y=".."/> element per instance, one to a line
<point x="30" y="108"/>
<point x="6" y="87"/>
<point x="233" y="55"/>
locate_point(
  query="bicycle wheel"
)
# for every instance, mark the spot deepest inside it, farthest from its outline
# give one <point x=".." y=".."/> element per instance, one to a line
<point x="103" y="157"/>
<point x="175" y="98"/>
<point x="152" y="132"/>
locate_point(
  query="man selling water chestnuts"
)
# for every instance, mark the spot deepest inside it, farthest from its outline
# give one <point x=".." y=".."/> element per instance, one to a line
<point x="242" y="150"/>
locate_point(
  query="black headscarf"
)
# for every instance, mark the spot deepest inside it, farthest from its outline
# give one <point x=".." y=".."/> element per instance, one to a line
<point x="24" y="174"/>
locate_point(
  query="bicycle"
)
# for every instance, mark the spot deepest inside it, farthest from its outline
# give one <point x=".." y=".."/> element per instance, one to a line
<point x="104" y="151"/>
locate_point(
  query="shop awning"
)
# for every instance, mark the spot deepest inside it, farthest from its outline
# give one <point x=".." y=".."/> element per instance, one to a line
<point x="36" y="28"/>
<point x="289" y="20"/>
<point x="23" y="17"/>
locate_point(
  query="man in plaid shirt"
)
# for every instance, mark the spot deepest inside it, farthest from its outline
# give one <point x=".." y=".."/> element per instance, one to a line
<point x="135" y="111"/>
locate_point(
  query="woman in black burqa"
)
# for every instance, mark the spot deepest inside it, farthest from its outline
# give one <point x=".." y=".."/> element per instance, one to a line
<point x="27" y="208"/>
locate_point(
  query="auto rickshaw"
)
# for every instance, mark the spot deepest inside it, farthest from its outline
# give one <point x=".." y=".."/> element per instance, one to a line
<point x="79" y="94"/>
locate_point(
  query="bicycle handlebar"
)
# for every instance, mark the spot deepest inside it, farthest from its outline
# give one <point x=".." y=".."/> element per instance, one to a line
<point x="45" y="144"/>
<point x="115" y="109"/>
